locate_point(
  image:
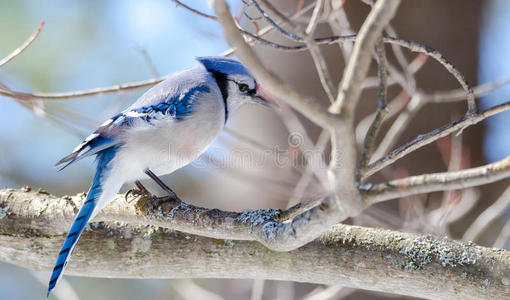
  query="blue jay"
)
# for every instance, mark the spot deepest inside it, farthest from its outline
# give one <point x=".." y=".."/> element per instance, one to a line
<point x="165" y="129"/>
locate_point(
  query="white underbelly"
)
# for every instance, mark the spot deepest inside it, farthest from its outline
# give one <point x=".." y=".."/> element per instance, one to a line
<point x="168" y="145"/>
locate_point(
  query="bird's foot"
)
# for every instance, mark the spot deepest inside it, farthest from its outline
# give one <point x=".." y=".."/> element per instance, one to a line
<point x="137" y="192"/>
<point x="158" y="201"/>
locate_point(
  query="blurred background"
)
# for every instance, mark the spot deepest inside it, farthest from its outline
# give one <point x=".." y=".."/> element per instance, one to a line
<point x="89" y="44"/>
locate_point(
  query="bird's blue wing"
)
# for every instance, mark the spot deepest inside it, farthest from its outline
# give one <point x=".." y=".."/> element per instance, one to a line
<point x="177" y="105"/>
<point x="152" y="106"/>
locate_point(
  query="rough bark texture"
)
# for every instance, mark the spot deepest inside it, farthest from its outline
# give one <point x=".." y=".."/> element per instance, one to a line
<point x="33" y="224"/>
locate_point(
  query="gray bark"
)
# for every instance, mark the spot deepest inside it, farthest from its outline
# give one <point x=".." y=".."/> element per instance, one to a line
<point x="33" y="226"/>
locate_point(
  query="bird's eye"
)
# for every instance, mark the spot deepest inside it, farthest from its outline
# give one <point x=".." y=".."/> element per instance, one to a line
<point x="244" y="88"/>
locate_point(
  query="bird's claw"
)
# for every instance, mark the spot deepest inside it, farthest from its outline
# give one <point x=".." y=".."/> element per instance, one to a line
<point x="157" y="201"/>
<point x="135" y="194"/>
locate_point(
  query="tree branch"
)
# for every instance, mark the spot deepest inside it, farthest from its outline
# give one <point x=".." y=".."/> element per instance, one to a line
<point x="81" y="94"/>
<point x="369" y="141"/>
<point x="24" y="46"/>
<point x="434" y="182"/>
<point x="193" y="10"/>
<point x="429" y="137"/>
<point x="33" y="226"/>
<point x="357" y="68"/>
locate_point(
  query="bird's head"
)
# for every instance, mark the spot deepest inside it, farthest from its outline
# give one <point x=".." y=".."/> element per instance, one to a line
<point x="235" y="82"/>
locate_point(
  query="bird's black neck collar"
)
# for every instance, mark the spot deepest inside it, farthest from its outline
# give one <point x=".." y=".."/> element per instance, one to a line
<point x="222" y="82"/>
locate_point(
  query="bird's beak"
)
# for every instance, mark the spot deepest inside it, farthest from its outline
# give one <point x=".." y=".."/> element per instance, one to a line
<point x="262" y="97"/>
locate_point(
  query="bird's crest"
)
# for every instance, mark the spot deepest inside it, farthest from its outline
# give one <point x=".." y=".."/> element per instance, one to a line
<point x="223" y="65"/>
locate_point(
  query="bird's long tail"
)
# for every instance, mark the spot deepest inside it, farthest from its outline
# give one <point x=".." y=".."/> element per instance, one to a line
<point x="102" y="191"/>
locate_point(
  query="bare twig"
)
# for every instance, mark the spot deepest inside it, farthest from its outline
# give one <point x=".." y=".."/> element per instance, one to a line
<point x="459" y="94"/>
<point x="427" y="138"/>
<point x="411" y="45"/>
<point x="195" y="11"/>
<point x="395" y="106"/>
<point x="281" y="18"/>
<point x="421" y="99"/>
<point x="24" y="46"/>
<point x="149" y="62"/>
<point x="491" y="213"/>
<point x="400" y="124"/>
<point x="315" y="52"/>
<point x="401" y="59"/>
<point x="503" y="236"/>
<point x="369" y="142"/>
<point x="404" y="64"/>
<point x="434" y="182"/>
<point x="81" y="94"/>
<point x="297" y="33"/>
<point x="322" y="69"/>
<point x="415" y="47"/>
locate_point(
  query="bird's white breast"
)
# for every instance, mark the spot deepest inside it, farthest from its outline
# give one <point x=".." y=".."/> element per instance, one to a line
<point x="168" y="144"/>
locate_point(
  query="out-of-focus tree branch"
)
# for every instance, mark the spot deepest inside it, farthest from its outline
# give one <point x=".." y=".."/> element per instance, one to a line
<point x="23" y="46"/>
<point x="33" y="224"/>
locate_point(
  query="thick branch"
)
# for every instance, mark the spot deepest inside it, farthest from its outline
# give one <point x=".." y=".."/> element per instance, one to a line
<point x="33" y="224"/>
<point x="358" y="65"/>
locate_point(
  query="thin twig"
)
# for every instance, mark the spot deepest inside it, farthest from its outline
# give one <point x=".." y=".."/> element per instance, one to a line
<point x="460" y="94"/>
<point x="401" y="59"/>
<point x="24" y="46"/>
<point x="370" y="137"/>
<point x="490" y="214"/>
<point x="427" y="138"/>
<point x="400" y="125"/>
<point x="195" y="11"/>
<point x="297" y="33"/>
<point x="503" y="236"/>
<point x="415" y="47"/>
<point x="411" y="45"/>
<point x="427" y="183"/>
<point x="149" y="62"/>
<point x="268" y="6"/>
<point x="81" y="94"/>
<point x="314" y="19"/>
<point x="318" y="58"/>
<point x="418" y="101"/>
<point x="394" y="107"/>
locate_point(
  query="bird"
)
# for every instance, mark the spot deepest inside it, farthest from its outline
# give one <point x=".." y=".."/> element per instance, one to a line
<point x="165" y="129"/>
